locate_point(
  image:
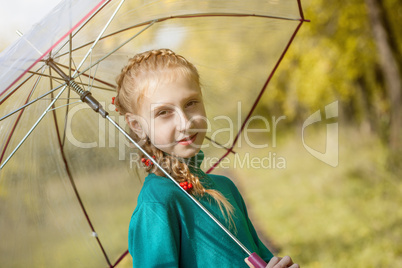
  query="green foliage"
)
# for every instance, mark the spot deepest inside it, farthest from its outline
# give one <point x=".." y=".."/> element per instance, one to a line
<point x="334" y="57"/>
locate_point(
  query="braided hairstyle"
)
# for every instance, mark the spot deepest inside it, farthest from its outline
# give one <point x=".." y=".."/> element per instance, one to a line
<point x="143" y="71"/>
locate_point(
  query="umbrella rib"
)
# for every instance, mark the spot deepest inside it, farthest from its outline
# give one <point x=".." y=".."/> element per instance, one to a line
<point x="30" y="95"/>
<point x="217" y="162"/>
<point x="219" y="144"/>
<point x="186" y="16"/>
<point x="94" y="86"/>
<point x="46" y="75"/>
<point x="32" y="128"/>
<point x="75" y="70"/>
<point x="50" y="49"/>
<point x="266" y="82"/>
<point x="301" y="11"/>
<point x="31" y="102"/>
<point x="98" y="38"/>
<point x="83" y="25"/>
<point x="70" y="57"/>
<point x="260" y="94"/>
<point x="64" y="105"/>
<point x="113" y="51"/>
<point x="52" y="103"/>
<point x="80" y="83"/>
<point x="54" y="114"/>
<point x="91" y="77"/>
<point x="17" y="121"/>
<point x="77" y="195"/>
<point x="223" y="14"/>
<point x="71" y="62"/>
<point x="69" y="88"/>
<point x="18" y="86"/>
<point x="85" y="95"/>
<point x="64" y="98"/>
<point x="120" y="258"/>
<point x="36" y="83"/>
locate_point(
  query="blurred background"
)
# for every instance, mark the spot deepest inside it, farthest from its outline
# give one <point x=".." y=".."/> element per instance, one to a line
<point x="344" y="215"/>
<point x="21" y="15"/>
<point x="349" y="215"/>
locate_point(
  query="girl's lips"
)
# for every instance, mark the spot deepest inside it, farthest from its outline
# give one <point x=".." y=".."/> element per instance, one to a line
<point x="189" y="140"/>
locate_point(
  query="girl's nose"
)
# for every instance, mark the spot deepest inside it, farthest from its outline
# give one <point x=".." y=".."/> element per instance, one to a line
<point x="183" y="121"/>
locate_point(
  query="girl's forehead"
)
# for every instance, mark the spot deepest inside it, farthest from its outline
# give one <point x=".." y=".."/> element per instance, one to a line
<point x="169" y="81"/>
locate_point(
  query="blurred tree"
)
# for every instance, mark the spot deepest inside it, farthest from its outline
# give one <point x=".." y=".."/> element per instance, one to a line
<point x="388" y="55"/>
<point x="349" y="55"/>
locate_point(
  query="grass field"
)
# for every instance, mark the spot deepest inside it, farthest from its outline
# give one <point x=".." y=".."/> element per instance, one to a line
<point x="323" y="216"/>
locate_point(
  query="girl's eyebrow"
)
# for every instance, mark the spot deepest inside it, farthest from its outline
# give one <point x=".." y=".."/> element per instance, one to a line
<point x="193" y="96"/>
<point x="159" y="106"/>
<point x="166" y="105"/>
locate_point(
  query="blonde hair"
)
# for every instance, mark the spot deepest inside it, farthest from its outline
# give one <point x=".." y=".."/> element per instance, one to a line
<point x="140" y="74"/>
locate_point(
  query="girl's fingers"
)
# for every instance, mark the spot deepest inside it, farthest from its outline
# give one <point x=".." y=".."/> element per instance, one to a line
<point x="273" y="261"/>
<point x="276" y="262"/>
<point x="287" y="261"/>
<point x="248" y="263"/>
<point x="284" y="262"/>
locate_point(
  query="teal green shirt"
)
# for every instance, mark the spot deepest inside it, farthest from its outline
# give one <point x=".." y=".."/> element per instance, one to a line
<point x="168" y="230"/>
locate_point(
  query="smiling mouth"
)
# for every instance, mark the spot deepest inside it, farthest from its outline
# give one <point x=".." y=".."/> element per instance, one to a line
<point x="188" y="140"/>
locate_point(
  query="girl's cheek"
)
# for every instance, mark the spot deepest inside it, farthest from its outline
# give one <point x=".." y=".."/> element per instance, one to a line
<point x="162" y="128"/>
<point x="202" y="123"/>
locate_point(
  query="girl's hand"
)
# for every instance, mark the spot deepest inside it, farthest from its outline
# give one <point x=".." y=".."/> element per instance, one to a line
<point x="276" y="262"/>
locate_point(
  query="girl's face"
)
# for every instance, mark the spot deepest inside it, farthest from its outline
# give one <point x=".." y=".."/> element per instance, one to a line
<point x="172" y="115"/>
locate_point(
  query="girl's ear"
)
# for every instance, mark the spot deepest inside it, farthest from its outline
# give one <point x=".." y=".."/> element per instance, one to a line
<point x="136" y="124"/>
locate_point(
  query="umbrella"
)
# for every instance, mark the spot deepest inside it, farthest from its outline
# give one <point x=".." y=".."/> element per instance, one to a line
<point x="69" y="179"/>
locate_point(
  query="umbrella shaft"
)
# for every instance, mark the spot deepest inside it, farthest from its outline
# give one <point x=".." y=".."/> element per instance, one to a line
<point x="63" y="75"/>
<point x="85" y="95"/>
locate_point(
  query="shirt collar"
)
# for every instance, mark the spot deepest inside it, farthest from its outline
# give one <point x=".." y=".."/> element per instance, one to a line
<point x="196" y="160"/>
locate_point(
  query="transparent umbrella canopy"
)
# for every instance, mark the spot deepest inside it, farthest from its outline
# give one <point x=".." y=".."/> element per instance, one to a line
<point x="69" y="179"/>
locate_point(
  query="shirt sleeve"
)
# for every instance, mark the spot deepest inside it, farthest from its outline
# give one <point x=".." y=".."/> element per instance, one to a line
<point x="154" y="236"/>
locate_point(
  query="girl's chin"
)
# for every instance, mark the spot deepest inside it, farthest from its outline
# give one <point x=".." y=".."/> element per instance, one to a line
<point x="182" y="154"/>
<point x="195" y="152"/>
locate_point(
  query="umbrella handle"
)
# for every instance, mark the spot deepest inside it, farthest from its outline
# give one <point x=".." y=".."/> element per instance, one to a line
<point x="257" y="261"/>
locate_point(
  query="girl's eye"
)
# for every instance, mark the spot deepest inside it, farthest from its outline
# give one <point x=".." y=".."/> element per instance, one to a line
<point x="162" y="113"/>
<point x="191" y="103"/>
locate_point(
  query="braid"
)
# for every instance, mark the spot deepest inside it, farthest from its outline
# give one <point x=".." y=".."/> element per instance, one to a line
<point x="131" y="83"/>
<point x="181" y="173"/>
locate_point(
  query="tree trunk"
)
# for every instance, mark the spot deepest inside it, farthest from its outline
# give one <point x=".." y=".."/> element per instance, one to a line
<point x="390" y="69"/>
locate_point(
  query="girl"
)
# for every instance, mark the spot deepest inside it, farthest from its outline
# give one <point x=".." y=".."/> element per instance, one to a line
<point x="159" y="93"/>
